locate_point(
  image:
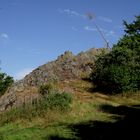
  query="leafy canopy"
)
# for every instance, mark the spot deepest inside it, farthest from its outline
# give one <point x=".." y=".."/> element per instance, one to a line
<point x="119" y="70"/>
<point x="5" y="82"/>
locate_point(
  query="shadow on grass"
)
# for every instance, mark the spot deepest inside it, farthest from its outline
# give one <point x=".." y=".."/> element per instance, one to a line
<point x="103" y="90"/>
<point x="126" y="126"/>
<point x="94" y="89"/>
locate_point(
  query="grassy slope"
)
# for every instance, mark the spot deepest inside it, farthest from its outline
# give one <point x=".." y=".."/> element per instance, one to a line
<point x="95" y="113"/>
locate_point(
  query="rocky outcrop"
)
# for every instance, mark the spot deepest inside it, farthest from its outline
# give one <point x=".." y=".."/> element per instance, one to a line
<point x="65" y="67"/>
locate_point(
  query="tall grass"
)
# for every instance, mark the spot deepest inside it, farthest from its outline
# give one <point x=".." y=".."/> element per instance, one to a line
<point x="55" y="101"/>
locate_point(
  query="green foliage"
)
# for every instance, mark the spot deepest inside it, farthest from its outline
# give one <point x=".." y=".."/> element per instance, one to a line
<point x="60" y="101"/>
<point x="57" y="101"/>
<point x="46" y="89"/>
<point x="54" y="101"/>
<point x="5" y="82"/>
<point x="119" y="70"/>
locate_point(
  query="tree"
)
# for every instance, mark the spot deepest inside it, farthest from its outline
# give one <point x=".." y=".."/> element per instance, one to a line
<point x="119" y="70"/>
<point x="5" y="82"/>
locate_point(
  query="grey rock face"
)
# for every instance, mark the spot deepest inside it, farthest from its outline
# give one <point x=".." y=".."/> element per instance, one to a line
<point x="65" y="67"/>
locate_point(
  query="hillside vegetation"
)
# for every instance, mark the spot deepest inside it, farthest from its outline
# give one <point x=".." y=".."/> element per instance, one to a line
<point x="76" y="97"/>
<point x="92" y="115"/>
<point x="119" y="70"/>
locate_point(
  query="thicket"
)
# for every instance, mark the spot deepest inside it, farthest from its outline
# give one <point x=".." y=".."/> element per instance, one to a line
<point x="119" y="70"/>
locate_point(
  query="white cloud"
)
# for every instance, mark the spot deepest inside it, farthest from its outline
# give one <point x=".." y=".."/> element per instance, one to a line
<point x="74" y="28"/>
<point x="104" y="31"/>
<point x="88" y="28"/>
<point x="72" y="13"/>
<point x="21" y="74"/>
<point x="111" y="33"/>
<point x="108" y="33"/>
<point x="4" y="35"/>
<point x="105" y="19"/>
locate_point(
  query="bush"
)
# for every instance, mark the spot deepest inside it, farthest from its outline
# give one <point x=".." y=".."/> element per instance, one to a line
<point x="46" y="89"/>
<point x="119" y="70"/>
<point x="53" y="99"/>
<point x="5" y="82"/>
<point x="60" y="101"/>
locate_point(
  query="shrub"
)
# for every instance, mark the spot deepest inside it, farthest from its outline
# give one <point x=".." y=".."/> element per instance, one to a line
<point x="5" y="82"/>
<point x="60" y="101"/>
<point x="119" y="70"/>
<point x="46" y="89"/>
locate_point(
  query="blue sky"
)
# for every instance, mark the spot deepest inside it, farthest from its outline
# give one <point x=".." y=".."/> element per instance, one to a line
<point x="33" y="32"/>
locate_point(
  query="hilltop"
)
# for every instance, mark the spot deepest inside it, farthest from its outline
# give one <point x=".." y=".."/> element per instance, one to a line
<point x="67" y="67"/>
